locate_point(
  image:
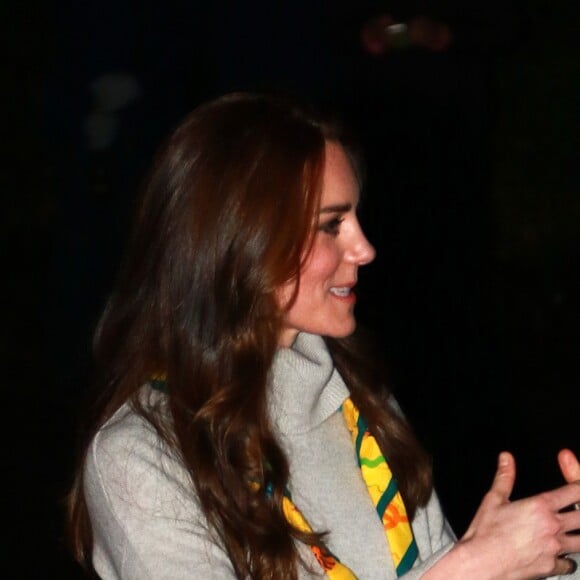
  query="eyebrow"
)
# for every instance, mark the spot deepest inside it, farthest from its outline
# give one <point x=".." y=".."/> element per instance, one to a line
<point x="342" y="208"/>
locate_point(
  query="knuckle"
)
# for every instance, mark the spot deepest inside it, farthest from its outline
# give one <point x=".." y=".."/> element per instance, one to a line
<point x="541" y="501"/>
<point x="552" y="546"/>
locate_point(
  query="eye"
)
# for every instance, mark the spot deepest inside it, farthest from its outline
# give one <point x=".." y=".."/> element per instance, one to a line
<point x="332" y="226"/>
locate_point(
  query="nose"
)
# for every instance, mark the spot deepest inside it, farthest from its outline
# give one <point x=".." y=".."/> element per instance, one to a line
<point x="361" y="251"/>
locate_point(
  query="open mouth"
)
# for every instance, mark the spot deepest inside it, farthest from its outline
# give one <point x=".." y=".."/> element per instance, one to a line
<point x="342" y="292"/>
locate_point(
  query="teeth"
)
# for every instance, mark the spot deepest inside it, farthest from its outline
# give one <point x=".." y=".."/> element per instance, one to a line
<point x="340" y="291"/>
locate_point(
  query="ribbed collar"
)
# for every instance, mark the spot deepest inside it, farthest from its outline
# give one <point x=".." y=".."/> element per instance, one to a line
<point x="305" y="388"/>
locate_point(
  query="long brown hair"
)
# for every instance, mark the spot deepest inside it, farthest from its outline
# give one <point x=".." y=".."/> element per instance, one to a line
<point x="225" y="218"/>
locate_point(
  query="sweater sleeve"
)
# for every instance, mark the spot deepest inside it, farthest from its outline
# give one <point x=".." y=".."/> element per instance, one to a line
<point x="433" y="535"/>
<point x="432" y="531"/>
<point x="146" y="520"/>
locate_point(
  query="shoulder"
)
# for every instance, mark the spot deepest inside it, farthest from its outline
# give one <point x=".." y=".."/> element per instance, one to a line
<point x="129" y="463"/>
<point x="145" y="513"/>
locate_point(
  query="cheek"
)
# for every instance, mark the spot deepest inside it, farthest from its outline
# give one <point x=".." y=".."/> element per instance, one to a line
<point x="285" y="294"/>
<point x="316" y="274"/>
<point x="322" y="266"/>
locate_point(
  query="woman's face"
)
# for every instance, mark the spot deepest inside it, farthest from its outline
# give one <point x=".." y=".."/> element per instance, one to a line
<point x="325" y="300"/>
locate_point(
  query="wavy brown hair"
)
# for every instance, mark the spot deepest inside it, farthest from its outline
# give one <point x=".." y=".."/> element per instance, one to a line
<point x="225" y="218"/>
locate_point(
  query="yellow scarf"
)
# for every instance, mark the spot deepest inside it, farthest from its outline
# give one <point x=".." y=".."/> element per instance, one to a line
<point x="383" y="490"/>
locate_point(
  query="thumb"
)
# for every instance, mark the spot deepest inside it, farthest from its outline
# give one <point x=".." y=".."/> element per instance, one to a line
<point x="498" y="494"/>
<point x="569" y="465"/>
<point x="505" y="476"/>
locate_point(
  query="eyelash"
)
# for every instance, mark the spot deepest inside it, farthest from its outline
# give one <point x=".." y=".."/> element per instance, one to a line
<point x="331" y="227"/>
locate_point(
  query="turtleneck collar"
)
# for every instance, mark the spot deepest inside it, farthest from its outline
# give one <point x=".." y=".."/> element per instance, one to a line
<point x="305" y="388"/>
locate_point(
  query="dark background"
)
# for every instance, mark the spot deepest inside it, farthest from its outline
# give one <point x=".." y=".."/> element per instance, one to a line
<point x="471" y="200"/>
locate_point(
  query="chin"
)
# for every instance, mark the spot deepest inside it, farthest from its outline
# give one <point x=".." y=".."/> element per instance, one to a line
<point x="343" y="332"/>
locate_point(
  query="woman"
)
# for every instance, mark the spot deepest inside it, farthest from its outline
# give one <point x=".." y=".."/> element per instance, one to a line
<point x="233" y="393"/>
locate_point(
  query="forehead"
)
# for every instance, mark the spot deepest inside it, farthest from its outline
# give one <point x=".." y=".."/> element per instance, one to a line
<point x="339" y="182"/>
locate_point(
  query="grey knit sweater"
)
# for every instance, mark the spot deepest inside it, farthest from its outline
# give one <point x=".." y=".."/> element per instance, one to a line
<point x="146" y="518"/>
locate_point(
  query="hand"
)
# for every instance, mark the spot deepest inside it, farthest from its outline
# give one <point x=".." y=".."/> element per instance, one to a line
<point x="523" y="539"/>
<point x="570" y="467"/>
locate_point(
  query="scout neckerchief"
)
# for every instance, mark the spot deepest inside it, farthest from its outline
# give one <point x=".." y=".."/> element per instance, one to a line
<point x="386" y="498"/>
<point x="382" y="488"/>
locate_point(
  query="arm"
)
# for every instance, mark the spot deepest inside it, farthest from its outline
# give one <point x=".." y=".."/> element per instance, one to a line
<point x="516" y="540"/>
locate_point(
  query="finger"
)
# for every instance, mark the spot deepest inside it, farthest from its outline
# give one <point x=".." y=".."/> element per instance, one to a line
<point x="499" y="492"/>
<point x="569" y="465"/>
<point x="570" y="522"/>
<point x="564" y="566"/>
<point x="562" y="497"/>
<point x="505" y="476"/>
